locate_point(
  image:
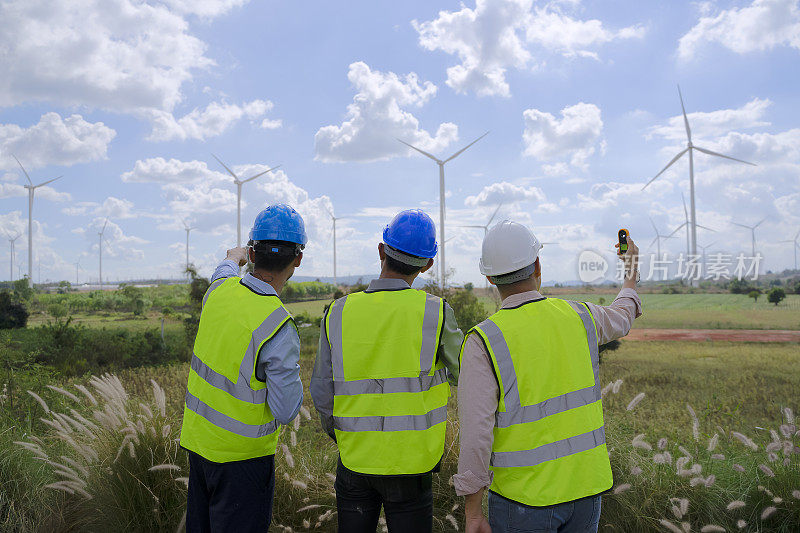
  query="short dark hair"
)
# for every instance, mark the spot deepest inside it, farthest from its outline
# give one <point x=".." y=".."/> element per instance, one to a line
<point x="401" y="268"/>
<point x="271" y="261"/>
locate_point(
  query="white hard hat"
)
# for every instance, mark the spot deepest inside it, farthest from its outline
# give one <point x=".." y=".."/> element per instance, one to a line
<point x="508" y="247"/>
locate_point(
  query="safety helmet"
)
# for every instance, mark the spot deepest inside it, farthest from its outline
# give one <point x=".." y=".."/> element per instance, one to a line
<point x="508" y="247"/>
<point x="413" y="233"/>
<point x="279" y="222"/>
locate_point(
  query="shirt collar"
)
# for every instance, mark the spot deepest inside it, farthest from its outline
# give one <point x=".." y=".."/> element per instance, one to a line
<point x="387" y="284"/>
<point x="258" y="286"/>
<point x="521" y="298"/>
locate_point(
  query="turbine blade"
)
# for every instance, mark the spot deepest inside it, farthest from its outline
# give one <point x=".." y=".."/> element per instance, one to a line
<point x="685" y="212"/>
<point x="685" y="118"/>
<point x="104" y="226"/>
<point x="654" y="225"/>
<point x="680" y="154"/>
<point x="23" y="169"/>
<point x="480" y="227"/>
<point x="741" y="225"/>
<point x="797" y="235"/>
<point x="676" y="230"/>
<point x="49" y="181"/>
<point x="759" y="223"/>
<point x="654" y="241"/>
<point x="235" y="177"/>
<point x="423" y="152"/>
<point x="709" y="152"/>
<point x="260" y="174"/>
<point x="494" y="214"/>
<point x="709" y="229"/>
<point x="467" y="146"/>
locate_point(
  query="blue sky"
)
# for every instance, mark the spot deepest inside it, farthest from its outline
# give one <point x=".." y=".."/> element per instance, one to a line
<point x="128" y="100"/>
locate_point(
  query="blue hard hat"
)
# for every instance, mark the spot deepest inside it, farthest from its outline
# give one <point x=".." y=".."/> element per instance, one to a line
<point x="279" y="222"/>
<point x="413" y="232"/>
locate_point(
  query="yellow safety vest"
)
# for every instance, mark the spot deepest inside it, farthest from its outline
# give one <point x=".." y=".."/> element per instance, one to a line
<point x="549" y="438"/>
<point x="226" y="416"/>
<point x="390" y="393"/>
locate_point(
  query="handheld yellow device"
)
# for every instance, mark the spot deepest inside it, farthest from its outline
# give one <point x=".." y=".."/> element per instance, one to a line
<point x="623" y="240"/>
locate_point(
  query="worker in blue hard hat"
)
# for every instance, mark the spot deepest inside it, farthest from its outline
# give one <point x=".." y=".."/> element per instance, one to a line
<point x="381" y="381"/>
<point x="244" y="380"/>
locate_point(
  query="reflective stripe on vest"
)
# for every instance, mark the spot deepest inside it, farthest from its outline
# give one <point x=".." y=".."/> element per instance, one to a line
<point x="539" y="462"/>
<point x="392" y="423"/>
<point x="225" y="422"/>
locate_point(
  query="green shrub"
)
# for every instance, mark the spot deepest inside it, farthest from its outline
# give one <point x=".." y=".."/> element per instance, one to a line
<point x="13" y="314"/>
<point x="776" y="296"/>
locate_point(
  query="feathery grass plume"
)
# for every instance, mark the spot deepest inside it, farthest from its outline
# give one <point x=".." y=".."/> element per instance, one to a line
<point x="147" y="412"/>
<point x="718" y="456"/>
<point x="777" y="500"/>
<point x="83" y="420"/>
<point x="33" y="448"/>
<point x="796" y="494"/>
<point x="773" y="446"/>
<point x="712" y="528"/>
<point x="308" y="508"/>
<point x="687" y="527"/>
<point x="698" y="480"/>
<point x="767" y="512"/>
<point x="296" y="423"/>
<point x="787" y="430"/>
<point x="789" y="414"/>
<point x="184" y="480"/>
<point x="685" y="452"/>
<point x="165" y="466"/>
<point x="330" y="476"/>
<point x="60" y="485"/>
<point x="710" y="480"/>
<point x="293" y="438"/>
<point x="633" y="403"/>
<point x="40" y="401"/>
<point x="64" y="392"/>
<point x="669" y="525"/>
<point x="741" y="524"/>
<point x="744" y="439"/>
<point x="772" y="457"/>
<point x="622" y="488"/>
<point x="296" y="483"/>
<point x="605" y="389"/>
<point x="682" y="462"/>
<point x="87" y="393"/>
<point x="662" y="443"/>
<point x="306" y="524"/>
<point x="450" y="518"/>
<point x="735" y="504"/>
<point x="305" y="412"/>
<point x="712" y="442"/>
<point x="617" y="384"/>
<point x="635" y="471"/>
<point x="160" y="398"/>
<point x="767" y="470"/>
<point x="639" y="442"/>
<point x="659" y="459"/>
<point x="738" y="467"/>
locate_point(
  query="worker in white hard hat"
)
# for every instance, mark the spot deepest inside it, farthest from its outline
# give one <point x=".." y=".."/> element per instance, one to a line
<point x="529" y="399"/>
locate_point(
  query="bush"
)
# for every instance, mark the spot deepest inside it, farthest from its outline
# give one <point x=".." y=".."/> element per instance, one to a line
<point x="13" y="314"/>
<point x="776" y="296"/>
<point x="754" y="294"/>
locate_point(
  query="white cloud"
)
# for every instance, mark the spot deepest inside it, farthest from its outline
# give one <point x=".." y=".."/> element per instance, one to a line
<point x="212" y="121"/>
<point x="160" y="170"/>
<point x="116" y="243"/>
<point x="505" y="193"/>
<point x="496" y="36"/>
<point x="204" y="8"/>
<point x="54" y="141"/>
<point x="713" y="123"/>
<point x="763" y="25"/>
<point x="574" y="136"/>
<point x="13" y="190"/>
<point x="376" y="119"/>
<point x="121" y="55"/>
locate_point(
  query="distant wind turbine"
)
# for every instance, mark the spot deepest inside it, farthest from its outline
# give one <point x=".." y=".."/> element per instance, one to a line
<point x="31" y="188"/>
<point x="77" y="266"/>
<point x="657" y="240"/>
<point x="690" y="147"/>
<point x="485" y="227"/>
<point x="188" y="229"/>
<point x="704" y="253"/>
<point x="752" y="233"/>
<point x="441" y="163"/>
<point x="333" y="220"/>
<point x="687" y="225"/>
<point x="794" y="247"/>
<point x="239" y="184"/>
<point x="100" y="251"/>
<point x="11" y="241"/>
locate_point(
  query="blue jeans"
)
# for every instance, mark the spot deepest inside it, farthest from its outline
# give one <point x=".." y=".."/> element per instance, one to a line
<point x="506" y="516"/>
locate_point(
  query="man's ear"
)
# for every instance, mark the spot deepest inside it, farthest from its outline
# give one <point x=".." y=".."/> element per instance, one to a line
<point x="537" y="269"/>
<point x="298" y="259"/>
<point x="251" y="254"/>
<point x="427" y="267"/>
<point x="381" y="253"/>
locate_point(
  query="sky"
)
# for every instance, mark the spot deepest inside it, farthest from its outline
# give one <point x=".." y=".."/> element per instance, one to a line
<point x="128" y="100"/>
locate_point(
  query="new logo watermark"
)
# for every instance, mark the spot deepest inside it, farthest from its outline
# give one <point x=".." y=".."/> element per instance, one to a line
<point x="591" y="266"/>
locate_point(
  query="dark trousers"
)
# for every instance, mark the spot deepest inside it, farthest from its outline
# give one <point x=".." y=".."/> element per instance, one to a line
<point x="407" y="502"/>
<point x="234" y="496"/>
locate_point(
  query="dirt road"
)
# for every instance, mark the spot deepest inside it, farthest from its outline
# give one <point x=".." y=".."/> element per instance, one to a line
<point x="734" y="335"/>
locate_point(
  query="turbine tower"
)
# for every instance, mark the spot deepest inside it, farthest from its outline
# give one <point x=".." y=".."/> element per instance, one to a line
<point x="11" y="241"/>
<point x="687" y="225"/>
<point x="794" y="247"/>
<point x="704" y="253"/>
<point x="100" y="251"/>
<point x="441" y="164"/>
<point x="77" y="266"/>
<point x="333" y="220"/>
<point x="31" y="188"/>
<point x="188" y="229"/>
<point x="239" y="184"/>
<point x="485" y="228"/>
<point x="752" y="233"/>
<point x="690" y="147"/>
<point x="658" y="238"/>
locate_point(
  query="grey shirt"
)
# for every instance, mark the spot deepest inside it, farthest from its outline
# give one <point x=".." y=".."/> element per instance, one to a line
<point x="277" y="363"/>
<point x="322" y="378"/>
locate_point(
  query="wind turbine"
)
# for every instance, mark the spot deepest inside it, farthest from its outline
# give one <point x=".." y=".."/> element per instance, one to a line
<point x="794" y="248"/>
<point x="687" y="225"/>
<point x="441" y="164"/>
<point x="485" y="227"/>
<point x="239" y="184"/>
<point x="100" y="251"/>
<point x="690" y="147"/>
<point x="752" y="233"/>
<point x="11" y="241"/>
<point x="31" y="188"/>
<point x="188" y="229"/>
<point x="77" y="266"/>
<point x="704" y="253"/>
<point x="333" y="220"/>
<point x="658" y="238"/>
